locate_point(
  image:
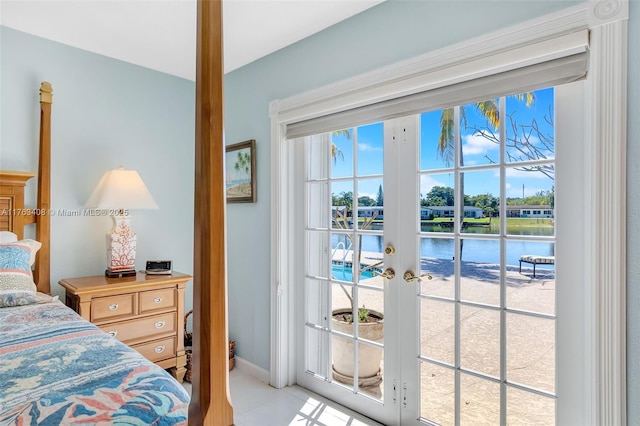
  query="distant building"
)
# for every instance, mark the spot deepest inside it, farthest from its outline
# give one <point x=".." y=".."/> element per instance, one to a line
<point x="449" y="211"/>
<point x="530" y="211"/>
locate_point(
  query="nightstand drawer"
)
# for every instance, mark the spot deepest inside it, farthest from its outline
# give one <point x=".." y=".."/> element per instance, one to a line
<point x="143" y="328"/>
<point x="153" y="300"/>
<point x="158" y="349"/>
<point x="111" y="307"/>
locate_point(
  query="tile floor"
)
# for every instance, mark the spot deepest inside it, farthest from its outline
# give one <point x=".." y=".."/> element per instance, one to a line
<point x="257" y="404"/>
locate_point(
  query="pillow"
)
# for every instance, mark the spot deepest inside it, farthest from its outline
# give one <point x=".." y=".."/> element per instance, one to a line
<point x="15" y="269"/>
<point x="34" y="246"/>
<point x="8" y="237"/>
<point x="10" y="300"/>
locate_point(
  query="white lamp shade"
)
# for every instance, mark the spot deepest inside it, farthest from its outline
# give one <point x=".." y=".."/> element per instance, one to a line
<point x="121" y="189"/>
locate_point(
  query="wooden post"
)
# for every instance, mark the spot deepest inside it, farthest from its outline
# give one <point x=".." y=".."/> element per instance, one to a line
<point x="43" y="220"/>
<point x="210" y="402"/>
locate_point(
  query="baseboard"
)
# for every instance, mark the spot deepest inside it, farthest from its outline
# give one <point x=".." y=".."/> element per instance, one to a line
<point x="252" y="369"/>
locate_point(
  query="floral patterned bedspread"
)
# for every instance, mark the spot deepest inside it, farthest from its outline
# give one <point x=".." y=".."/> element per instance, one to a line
<point x="59" y="369"/>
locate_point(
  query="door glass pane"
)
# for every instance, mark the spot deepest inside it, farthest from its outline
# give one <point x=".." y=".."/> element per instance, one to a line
<point x="341" y="153"/>
<point x="527" y="408"/>
<point x="316" y="299"/>
<point x="371" y="366"/>
<point x="479" y="133"/>
<point x="480" y="340"/>
<point x="530" y="126"/>
<point x="437" y="330"/>
<point x="530" y="201"/>
<point x="524" y="290"/>
<point x="531" y="351"/>
<point x="437" y="387"/>
<point x="370" y="149"/>
<point x="317" y="194"/>
<point x="481" y="202"/>
<point x="434" y="154"/>
<point x="437" y="207"/>
<point x="317" y="148"/>
<point x="370" y="204"/>
<point x="479" y="401"/>
<point x="342" y="204"/>
<point x="317" y="258"/>
<point x="480" y="271"/>
<point x="436" y="259"/>
<point x="317" y="343"/>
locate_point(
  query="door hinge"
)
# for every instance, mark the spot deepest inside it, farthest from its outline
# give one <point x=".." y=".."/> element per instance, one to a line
<point x="395" y="389"/>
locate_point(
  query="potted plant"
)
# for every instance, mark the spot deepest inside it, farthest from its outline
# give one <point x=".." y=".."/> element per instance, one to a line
<point x="370" y="325"/>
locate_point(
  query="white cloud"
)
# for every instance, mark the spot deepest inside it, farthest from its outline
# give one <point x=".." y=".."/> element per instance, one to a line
<point x="476" y="144"/>
<point x="368" y="147"/>
<point x="427" y="182"/>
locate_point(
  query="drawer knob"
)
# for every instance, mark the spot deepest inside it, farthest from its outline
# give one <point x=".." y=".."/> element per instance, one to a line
<point x="160" y="324"/>
<point x="113" y="333"/>
<point x="157" y="300"/>
<point x="113" y="306"/>
<point x="159" y="349"/>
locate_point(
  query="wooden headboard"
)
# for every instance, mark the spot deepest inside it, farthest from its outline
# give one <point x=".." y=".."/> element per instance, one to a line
<point x="14" y="215"/>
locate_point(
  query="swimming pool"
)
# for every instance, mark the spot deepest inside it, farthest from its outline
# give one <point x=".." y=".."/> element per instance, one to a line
<point x="344" y="273"/>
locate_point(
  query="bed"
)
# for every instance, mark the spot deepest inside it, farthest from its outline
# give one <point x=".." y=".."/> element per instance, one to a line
<point x="57" y="368"/>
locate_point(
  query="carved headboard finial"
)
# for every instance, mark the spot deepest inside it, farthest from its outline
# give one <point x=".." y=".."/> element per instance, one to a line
<point x="46" y="92"/>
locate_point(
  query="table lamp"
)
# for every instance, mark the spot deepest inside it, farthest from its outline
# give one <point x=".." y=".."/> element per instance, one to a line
<point x="119" y="191"/>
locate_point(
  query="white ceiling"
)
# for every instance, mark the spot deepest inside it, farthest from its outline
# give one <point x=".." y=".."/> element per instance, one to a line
<point x="160" y="34"/>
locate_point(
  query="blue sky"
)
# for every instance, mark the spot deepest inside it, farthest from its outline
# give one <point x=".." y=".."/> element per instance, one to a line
<point x="477" y="150"/>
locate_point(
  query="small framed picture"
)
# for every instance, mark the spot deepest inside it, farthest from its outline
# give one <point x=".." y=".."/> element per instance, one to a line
<point x="240" y="163"/>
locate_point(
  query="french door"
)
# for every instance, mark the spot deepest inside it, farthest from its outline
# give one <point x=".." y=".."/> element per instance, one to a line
<point x="430" y="248"/>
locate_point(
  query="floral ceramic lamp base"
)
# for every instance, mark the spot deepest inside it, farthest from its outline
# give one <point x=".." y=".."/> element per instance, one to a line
<point x="121" y="249"/>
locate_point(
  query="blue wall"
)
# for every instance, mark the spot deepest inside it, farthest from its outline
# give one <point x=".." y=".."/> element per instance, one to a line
<point x="105" y="113"/>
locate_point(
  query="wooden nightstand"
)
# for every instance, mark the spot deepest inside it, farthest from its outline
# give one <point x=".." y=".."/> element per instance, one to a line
<point x="146" y="312"/>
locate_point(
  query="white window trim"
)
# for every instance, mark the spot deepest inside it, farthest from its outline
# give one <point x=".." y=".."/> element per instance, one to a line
<point x="605" y="149"/>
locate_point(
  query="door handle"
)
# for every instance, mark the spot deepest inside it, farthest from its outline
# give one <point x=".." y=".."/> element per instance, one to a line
<point x="388" y="273"/>
<point x="410" y="277"/>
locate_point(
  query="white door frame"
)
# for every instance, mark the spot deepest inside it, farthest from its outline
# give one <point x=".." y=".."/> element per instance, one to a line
<point x="604" y="201"/>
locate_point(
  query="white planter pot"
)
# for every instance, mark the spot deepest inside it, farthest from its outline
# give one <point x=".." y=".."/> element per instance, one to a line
<point x="369" y="357"/>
